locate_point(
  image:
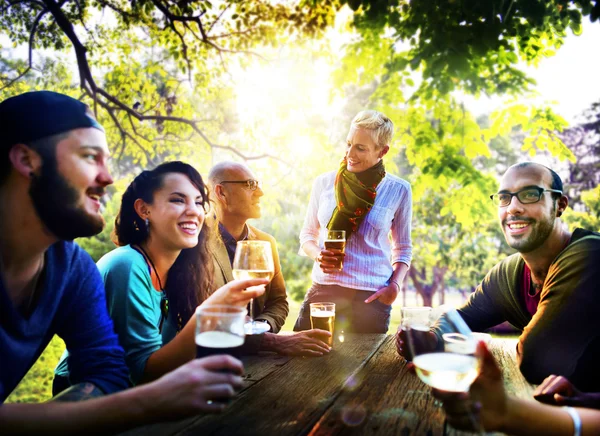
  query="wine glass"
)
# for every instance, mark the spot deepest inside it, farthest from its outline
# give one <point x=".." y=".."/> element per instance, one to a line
<point x="253" y="260"/>
<point x="454" y="367"/>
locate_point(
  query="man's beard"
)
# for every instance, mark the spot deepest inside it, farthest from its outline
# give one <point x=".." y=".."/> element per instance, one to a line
<point x="56" y="203"/>
<point x="539" y="233"/>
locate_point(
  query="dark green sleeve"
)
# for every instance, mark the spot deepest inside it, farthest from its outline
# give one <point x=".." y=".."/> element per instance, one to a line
<point x="493" y="302"/>
<point x="561" y="335"/>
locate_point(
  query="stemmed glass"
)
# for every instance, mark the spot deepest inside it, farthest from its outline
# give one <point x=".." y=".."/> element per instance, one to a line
<point x="452" y="369"/>
<point x="253" y="260"/>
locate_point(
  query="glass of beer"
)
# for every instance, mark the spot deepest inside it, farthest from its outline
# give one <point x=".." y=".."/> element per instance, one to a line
<point x="415" y="323"/>
<point x="220" y="330"/>
<point x="254" y="260"/>
<point x="336" y="240"/>
<point x="322" y="316"/>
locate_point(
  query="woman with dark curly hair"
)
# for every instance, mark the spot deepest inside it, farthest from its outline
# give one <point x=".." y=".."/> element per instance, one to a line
<point x="162" y="271"/>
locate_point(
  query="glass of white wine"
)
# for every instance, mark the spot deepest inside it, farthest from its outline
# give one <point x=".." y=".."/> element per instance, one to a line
<point x="453" y="368"/>
<point x="253" y="260"/>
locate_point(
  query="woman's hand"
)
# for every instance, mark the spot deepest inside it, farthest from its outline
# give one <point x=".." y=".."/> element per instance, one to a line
<point x="237" y="292"/>
<point x="330" y="260"/>
<point x="487" y="401"/>
<point x="387" y="294"/>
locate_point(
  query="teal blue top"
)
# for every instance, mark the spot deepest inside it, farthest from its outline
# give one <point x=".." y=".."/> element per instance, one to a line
<point x="135" y="308"/>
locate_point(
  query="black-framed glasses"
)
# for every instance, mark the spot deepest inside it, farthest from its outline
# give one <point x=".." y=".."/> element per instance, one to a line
<point x="251" y="184"/>
<point x="525" y="196"/>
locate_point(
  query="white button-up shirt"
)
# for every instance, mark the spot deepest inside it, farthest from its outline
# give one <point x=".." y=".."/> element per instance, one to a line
<point x="370" y="252"/>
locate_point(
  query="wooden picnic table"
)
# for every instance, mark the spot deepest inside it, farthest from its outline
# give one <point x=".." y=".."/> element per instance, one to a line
<point x="361" y="387"/>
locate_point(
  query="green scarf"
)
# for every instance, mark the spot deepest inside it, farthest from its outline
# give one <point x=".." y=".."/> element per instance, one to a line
<point x="354" y="196"/>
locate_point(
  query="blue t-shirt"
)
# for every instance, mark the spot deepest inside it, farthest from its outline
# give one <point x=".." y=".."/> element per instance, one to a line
<point x="135" y="308"/>
<point x="72" y="305"/>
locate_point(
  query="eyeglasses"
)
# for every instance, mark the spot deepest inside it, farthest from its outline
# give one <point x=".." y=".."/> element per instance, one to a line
<point x="250" y="183"/>
<point x="525" y="196"/>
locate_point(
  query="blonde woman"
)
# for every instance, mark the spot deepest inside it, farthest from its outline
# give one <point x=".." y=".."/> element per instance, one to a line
<point x="369" y="204"/>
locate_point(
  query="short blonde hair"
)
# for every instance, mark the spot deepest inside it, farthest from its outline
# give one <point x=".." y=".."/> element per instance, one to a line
<point x="379" y="127"/>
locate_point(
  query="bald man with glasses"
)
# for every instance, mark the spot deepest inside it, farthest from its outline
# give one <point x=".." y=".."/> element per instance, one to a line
<point x="549" y="289"/>
<point x="236" y="193"/>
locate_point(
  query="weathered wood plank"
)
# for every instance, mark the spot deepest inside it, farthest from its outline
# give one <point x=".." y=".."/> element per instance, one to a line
<point x="292" y="398"/>
<point x="260" y="366"/>
<point x="505" y="352"/>
<point x="255" y="369"/>
<point x="386" y="399"/>
<point x="383" y="399"/>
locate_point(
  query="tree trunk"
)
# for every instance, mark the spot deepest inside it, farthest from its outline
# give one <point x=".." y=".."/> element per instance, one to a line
<point x="427" y="291"/>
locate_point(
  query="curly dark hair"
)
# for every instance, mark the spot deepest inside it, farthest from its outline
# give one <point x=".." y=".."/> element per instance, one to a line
<point x="190" y="276"/>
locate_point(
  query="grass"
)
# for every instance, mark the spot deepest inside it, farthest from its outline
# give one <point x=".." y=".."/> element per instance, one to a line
<point x="36" y="386"/>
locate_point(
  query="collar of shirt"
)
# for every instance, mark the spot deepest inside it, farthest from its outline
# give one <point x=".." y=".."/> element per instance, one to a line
<point x="230" y="242"/>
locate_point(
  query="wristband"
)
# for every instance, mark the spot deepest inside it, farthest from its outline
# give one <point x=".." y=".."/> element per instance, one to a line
<point x="576" y="420"/>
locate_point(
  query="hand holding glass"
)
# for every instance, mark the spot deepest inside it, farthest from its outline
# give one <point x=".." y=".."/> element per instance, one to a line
<point x="220" y="330"/>
<point x="253" y="260"/>
<point x="415" y="324"/>
<point x="336" y="240"/>
<point x="454" y="368"/>
<point x="322" y="316"/>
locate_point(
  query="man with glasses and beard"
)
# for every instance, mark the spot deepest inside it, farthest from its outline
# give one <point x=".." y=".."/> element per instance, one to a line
<point x="237" y="194"/>
<point x="550" y="289"/>
<point x="53" y="171"/>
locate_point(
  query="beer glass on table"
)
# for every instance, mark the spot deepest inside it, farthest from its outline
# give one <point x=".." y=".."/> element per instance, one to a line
<point x="254" y="260"/>
<point x="322" y="316"/>
<point x="415" y="322"/>
<point x="220" y="330"/>
<point x="336" y="240"/>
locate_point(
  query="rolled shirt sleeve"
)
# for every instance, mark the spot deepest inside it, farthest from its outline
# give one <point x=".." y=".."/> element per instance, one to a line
<point x="401" y="229"/>
<point x="370" y="251"/>
<point x="311" y="226"/>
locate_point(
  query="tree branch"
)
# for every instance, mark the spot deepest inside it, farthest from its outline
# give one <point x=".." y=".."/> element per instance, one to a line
<point x="227" y="35"/>
<point x="85" y="73"/>
<point x="185" y="50"/>
<point x="124" y="133"/>
<point x="115" y="9"/>
<point x="218" y="18"/>
<point x="89" y="86"/>
<point x="31" y="40"/>
<point x="14" y="3"/>
<point x="172" y="17"/>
